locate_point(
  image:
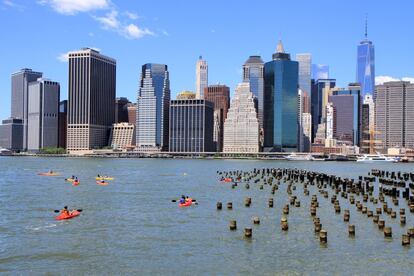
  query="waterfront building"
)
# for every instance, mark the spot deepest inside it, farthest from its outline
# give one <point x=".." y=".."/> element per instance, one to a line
<point x="11" y="134"/>
<point x="122" y="136"/>
<point x="320" y="72"/>
<point x="191" y="125"/>
<point x="280" y="103"/>
<point x="153" y="108"/>
<point x="43" y="115"/>
<point x="321" y="90"/>
<point x="219" y="95"/>
<point x="186" y="95"/>
<point x="253" y="73"/>
<point x="366" y="65"/>
<point x="132" y="113"/>
<point x="201" y="77"/>
<point x="121" y="110"/>
<point x="20" y="97"/>
<point x="394" y="115"/>
<point x="347" y="104"/>
<point x="330" y="121"/>
<point x="63" y="123"/>
<point x="91" y="101"/>
<point x="241" y="127"/>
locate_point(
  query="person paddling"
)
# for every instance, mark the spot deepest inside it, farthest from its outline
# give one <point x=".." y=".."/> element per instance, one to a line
<point x="182" y="199"/>
<point x="65" y="211"/>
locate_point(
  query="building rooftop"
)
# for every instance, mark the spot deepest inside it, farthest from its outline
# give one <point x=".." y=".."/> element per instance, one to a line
<point x="254" y="60"/>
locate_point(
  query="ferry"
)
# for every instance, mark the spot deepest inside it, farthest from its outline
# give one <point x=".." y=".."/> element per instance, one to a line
<point x="297" y="157"/>
<point x="376" y="158"/>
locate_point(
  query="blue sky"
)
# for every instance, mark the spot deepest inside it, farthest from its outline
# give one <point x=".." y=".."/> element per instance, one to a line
<point x="37" y="34"/>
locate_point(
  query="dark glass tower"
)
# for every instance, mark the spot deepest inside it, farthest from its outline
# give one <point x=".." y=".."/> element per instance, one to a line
<point x="280" y="102"/>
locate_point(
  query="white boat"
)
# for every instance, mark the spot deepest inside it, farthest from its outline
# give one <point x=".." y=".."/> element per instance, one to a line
<point x="298" y="157"/>
<point x="376" y="158"/>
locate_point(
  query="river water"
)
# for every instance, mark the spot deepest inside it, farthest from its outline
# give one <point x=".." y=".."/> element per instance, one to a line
<point x="132" y="227"/>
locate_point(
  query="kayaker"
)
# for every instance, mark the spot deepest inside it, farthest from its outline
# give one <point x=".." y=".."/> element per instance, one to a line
<point x="98" y="176"/>
<point x="50" y="172"/>
<point x="103" y="181"/>
<point x="182" y="199"/>
<point x="65" y="210"/>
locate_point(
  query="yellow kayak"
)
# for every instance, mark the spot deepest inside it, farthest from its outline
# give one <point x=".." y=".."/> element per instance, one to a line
<point x="48" y="174"/>
<point x="69" y="179"/>
<point x="104" y="178"/>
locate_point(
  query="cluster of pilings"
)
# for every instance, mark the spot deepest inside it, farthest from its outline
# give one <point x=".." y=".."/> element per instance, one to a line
<point x="376" y="188"/>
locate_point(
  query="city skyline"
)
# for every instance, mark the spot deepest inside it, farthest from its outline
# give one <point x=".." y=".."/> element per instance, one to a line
<point x="154" y="38"/>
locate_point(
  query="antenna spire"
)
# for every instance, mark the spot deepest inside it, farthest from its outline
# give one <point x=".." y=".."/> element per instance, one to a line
<point x="366" y="25"/>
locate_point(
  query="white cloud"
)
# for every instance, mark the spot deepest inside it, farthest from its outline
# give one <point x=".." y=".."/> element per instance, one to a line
<point x="132" y="31"/>
<point x="70" y="7"/>
<point x="12" y="4"/>
<point x="379" y="80"/>
<point x="131" y="15"/>
<point x="109" y="21"/>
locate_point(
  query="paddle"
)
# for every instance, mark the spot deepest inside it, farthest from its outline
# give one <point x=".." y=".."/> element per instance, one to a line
<point x="175" y="200"/>
<point x="58" y="211"/>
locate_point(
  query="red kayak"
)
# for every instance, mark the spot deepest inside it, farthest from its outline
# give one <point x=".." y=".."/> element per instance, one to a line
<point x="76" y="183"/>
<point x="102" y="183"/>
<point x="72" y="214"/>
<point x="227" y="180"/>
<point x="187" y="203"/>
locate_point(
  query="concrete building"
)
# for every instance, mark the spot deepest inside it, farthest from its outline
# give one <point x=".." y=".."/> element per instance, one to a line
<point x="201" y="77"/>
<point x="186" y="95"/>
<point x="394" y="115"/>
<point x="122" y="136"/>
<point x="132" y="113"/>
<point x="20" y="97"/>
<point x="91" y="101"/>
<point x="307" y="131"/>
<point x="219" y="95"/>
<point x="365" y="132"/>
<point x="121" y="110"/>
<point x="321" y="90"/>
<point x="43" y="115"/>
<point x="281" y="103"/>
<point x="241" y="127"/>
<point x="191" y="125"/>
<point x="153" y="108"/>
<point x="253" y="73"/>
<point x="330" y="121"/>
<point x="63" y="123"/>
<point x="11" y="134"/>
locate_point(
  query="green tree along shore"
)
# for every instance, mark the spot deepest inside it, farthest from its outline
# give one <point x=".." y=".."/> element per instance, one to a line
<point x="50" y="150"/>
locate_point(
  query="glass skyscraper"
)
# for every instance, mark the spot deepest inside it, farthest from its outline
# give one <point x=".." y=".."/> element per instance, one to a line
<point x="305" y="65"/>
<point x="321" y="90"/>
<point x="280" y="104"/>
<point x="153" y="108"/>
<point x="366" y="66"/>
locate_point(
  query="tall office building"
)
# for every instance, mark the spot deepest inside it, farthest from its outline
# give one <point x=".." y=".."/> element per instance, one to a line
<point x="91" y="101"/>
<point x="305" y="66"/>
<point x="330" y="121"/>
<point x="201" y="77"/>
<point x="366" y="65"/>
<point x="121" y="110"/>
<point x="63" y="123"/>
<point x="281" y="99"/>
<point x="365" y="133"/>
<point x="20" y="97"/>
<point x="132" y="113"/>
<point x="43" y="115"/>
<point x="307" y="131"/>
<point x="320" y="71"/>
<point x="191" y="125"/>
<point x="241" y="128"/>
<point x="348" y="107"/>
<point x="304" y="137"/>
<point x="321" y="90"/>
<point x="153" y="108"/>
<point x="394" y="115"/>
<point x="253" y="73"/>
<point x="219" y="95"/>
<point x="11" y="134"/>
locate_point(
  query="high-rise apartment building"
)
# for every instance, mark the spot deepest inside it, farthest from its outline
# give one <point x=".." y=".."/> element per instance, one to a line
<point x="201" y="77"/>
<point x="153" y="108"/>
<point x="191" y="125"/>
<point x="348" y="108"/>
<point x="43" y="115"/>
<point x="321" y="90"/>
<point x="91" y="101"/>
<point x="20" y="97"/>
<point x="219" y="95"/>
<point x="253" y="73"/>
<point x="394" y="115"/>
<point x="366" y="65"/>
<point x="241" y="127"/>
<point x="280" y="104"/>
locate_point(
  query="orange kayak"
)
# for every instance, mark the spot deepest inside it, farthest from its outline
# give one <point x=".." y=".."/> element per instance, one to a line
<point x="102" y="183"/>
<point x="71" y="214"/>
<point x="75" y="182"/>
